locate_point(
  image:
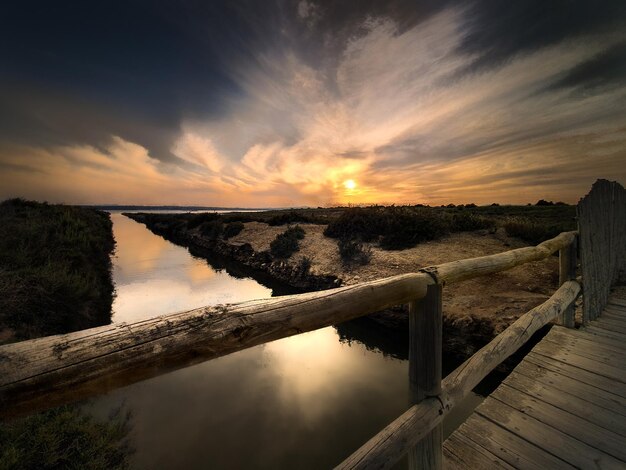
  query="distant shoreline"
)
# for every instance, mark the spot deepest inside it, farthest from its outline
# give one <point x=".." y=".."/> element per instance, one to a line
<point x="115" y="207"/>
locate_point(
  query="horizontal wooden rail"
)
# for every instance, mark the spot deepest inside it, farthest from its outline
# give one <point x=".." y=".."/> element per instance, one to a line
<point x="46" y="372"/>
<point x="389" y="445"/>
<point x="473" y="267"/>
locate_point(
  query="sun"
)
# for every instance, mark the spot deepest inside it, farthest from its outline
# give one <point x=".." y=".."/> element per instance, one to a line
<point x="349" y="184"/>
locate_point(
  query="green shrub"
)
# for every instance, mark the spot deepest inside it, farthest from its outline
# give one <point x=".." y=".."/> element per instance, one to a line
<point x="364" y="223"/>
<point x="212" y="229"/>
<point x="287" y="218"/>
<point x="304" y="266"/>
<point x="297" y="232"/>
<point x="353" y="252"/>
<point x="467" y="221"/>
<point x="533" y="232"/>
<point x="54" y="268"/>
<point x="66" y="437"/>
<point x="407" y="229"/>
<point x="285" y="244"/>
<point x="195" y="220"/>
<point x="232" y="229"/>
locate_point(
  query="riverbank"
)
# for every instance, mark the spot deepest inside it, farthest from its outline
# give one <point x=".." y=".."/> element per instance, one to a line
<point x="55" y="277"/>
<point x="475" y="311"/>
<point x="55" y="274"/>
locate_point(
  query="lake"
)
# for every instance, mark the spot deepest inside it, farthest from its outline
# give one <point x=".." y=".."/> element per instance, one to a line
<point x="302" y="402"/>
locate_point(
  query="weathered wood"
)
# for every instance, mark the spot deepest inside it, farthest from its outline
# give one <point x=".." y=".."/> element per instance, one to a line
<point x="468" y="268"/>
<point x="384" y="449"/>
<point x="462" y="453"/>
<point x="572" y="396"/>
<point x="567" y="272"/>
<point x="556" y="442"/>
<point x="602" y="229"/>
<point x="587" y="377"/>
<point x="425" y="337"/>
<point x="508" y="446"/>
<point x="49" y="371"/>
<point x="566" y="421"/>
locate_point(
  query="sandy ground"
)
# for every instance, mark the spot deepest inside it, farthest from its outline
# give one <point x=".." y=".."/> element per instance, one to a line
<point x="501" y="297"/>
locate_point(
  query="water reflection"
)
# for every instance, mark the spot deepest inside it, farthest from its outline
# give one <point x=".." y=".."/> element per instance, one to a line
<point x="153" y="276"/>
<point x="302" y="402"/>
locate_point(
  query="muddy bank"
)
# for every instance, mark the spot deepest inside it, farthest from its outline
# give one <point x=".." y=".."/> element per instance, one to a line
<point x="475" y="311"/>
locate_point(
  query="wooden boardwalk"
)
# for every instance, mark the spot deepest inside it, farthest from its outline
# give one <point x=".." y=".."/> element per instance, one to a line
<point x="563" y="406"/>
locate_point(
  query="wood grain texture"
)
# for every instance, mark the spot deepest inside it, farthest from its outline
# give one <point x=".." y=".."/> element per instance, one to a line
<point x="425" y="338"/>
<point x="602" y="231"/>
<point x="49" y="371"/>
<point x="388" y="446"/>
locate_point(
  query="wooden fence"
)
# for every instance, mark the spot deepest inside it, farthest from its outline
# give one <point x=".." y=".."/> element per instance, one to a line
<point x="45" y="372"/>
<point x="602" y="227"/>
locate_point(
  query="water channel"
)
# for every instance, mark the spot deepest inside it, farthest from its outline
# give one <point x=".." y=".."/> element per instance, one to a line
<point x="302" y="402"/>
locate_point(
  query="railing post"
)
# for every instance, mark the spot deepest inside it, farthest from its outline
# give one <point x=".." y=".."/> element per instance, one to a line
<point x="425" y="325"/>
<point x="567" y="272"/>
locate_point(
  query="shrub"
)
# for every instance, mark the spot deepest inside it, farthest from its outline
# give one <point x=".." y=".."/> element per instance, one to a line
<point x="212" y="229"/>
<point x="195" y="220"/>
<point x="285" y="244"/>
<point x="304" y="265"/>
<point x="353" y="252"/>
<point x="287" y="218"/>
<point x="467" y="221"/>
<point x="533" y="232"/>
<point x="297" y="232"/>
<point x="232" y="229"/>
<point x="365" y="223"/>
<point x="407" y="229"/>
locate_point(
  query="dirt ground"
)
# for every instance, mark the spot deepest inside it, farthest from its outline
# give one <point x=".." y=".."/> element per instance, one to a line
<point x="500" y="298"/>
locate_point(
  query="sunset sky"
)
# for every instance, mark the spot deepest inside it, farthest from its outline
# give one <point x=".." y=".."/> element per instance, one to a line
<point x="274" y="103"/>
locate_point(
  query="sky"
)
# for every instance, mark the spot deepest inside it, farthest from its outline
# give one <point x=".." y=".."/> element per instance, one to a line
<point x="274" y="103"/>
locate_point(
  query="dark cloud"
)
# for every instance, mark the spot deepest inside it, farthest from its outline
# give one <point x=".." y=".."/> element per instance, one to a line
<point x="604" y="70"/>
<point x="79" y="72"/>
<point x="495" y="30"/>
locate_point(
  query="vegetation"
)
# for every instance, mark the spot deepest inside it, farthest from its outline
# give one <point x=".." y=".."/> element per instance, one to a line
<point x="353" y="252"/>
<point x="232" y="229"/>
<point x="287" y="218"/>
<point x="66" y="437"/>
<point x="285" y="244"/>
<point x="54" y="278"/>
<point x="54" y="268"/>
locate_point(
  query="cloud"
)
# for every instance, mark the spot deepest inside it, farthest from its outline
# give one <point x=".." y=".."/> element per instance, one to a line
<point x="401" y="108"/>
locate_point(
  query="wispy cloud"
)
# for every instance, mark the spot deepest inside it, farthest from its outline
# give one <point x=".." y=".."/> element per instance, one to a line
<point x="401" y="111"/>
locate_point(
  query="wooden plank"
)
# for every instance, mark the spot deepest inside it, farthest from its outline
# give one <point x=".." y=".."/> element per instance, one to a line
<point x="584" y="339"/>
<point x="386" y="448"/>
<point x="582" y="375"/>
<point x="563" y="446"/>
<point x="595" y="352"/>
<point x="616" y="301"/>
<point x="584" y="409"/>
<point x="616" y="326"/>
<point x="462" y="453"/>
<point x="610" y="315"/>
<point x="599" y="330"/>
<point x="425" y="343"/>
<point x="567" y="422"/>
<point x="560" y="390"/>
<point x="508" y="446"/>
<point x="548" y="350"/>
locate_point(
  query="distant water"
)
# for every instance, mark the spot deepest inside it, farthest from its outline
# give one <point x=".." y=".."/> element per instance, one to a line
<point x="302" y="402"/>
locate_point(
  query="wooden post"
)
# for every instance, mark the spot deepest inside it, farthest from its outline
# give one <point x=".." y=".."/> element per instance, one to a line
<point x="425" y="325"/>
<point x="567" y="271"/>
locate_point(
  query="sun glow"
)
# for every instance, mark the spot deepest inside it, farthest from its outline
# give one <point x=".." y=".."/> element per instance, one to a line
<point x="349" y="184"/>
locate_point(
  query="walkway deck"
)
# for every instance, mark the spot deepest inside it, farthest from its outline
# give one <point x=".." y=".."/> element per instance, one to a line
<point x="564" y="405"/>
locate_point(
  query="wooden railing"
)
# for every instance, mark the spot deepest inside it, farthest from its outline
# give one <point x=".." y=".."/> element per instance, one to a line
<point x="602" y="226"/>
<point x="46" y="372"/>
